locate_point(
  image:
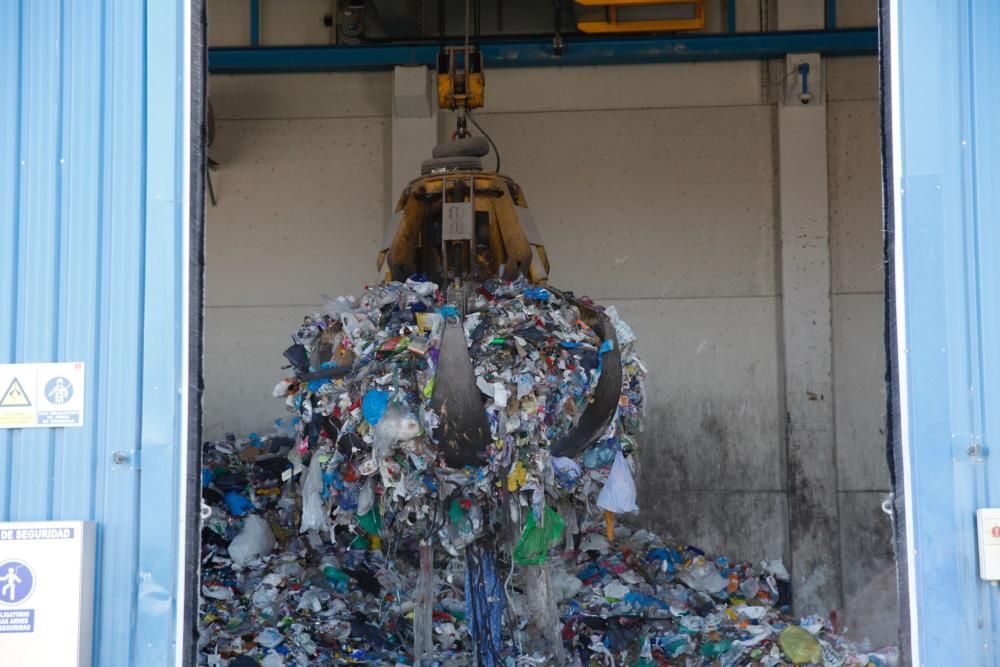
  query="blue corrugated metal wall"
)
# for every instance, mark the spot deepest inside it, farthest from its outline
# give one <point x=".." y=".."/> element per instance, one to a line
<point x="948" y="183"/>
<point x="91" y="261"/>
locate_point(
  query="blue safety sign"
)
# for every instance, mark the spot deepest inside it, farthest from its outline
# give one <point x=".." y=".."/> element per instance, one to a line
<point x="17" y="582"/>
<point x="58" y="390"/>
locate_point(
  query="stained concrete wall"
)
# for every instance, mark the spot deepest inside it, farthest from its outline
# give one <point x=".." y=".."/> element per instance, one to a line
<point x="654" y="191"/>
<point x="654" y="188"/>
<point x="867" y="569"/>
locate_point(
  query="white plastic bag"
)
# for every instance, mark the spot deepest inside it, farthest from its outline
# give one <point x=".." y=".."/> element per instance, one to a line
<point x="366" y="499"/>
<point x="623" y="331"/>
<point x="565" y="585"/>
<point x="255" y="540"/>
<point x="396" y="424"/>
<point x="313" y="512"/>
<point x="425" y="289"/>
<point x="273" y="659"/>
<point x="543" y="632"/>
<point x="702" y="575"/>
<point x="618" y="494"/>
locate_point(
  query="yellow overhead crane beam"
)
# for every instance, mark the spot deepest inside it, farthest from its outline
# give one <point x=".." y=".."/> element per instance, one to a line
<point x="622" y="16"/>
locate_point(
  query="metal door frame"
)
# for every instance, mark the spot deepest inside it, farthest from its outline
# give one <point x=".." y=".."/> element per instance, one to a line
<point x="941" y="64"/>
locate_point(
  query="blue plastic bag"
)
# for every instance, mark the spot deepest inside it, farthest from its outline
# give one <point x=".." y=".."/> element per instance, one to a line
<point x="373" y="405"/>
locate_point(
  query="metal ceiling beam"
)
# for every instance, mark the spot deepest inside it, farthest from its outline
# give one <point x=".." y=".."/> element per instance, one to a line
<point x="537" y="51"/>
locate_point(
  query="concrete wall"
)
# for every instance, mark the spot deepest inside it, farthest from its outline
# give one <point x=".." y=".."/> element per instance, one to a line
<point x="301" y="199"/>
<point x="858" y="354"/>
<point x="655" y="190"/>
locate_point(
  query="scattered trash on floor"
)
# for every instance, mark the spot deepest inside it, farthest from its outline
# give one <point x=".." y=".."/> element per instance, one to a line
<point x="345" y="537"/>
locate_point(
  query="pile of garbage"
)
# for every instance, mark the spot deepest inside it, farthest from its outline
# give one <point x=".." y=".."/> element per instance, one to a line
<point x="350" y="536"/>
<point x="274" y="596"/>
<point x="365" y="374"/>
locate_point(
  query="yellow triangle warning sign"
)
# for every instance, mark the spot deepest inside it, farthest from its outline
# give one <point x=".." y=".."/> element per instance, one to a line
<point x="14" y="397"/>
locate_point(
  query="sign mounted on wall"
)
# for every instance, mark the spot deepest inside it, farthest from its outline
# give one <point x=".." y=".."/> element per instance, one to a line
<point x="46" y="593"/>
<point x="41" y="395"/>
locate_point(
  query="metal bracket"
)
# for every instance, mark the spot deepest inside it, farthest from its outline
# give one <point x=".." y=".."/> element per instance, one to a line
<point x="968" y="448"/>
<point x="458" y="224"/>
<point x="803" y="80"/>
<point x="130" y="458"/>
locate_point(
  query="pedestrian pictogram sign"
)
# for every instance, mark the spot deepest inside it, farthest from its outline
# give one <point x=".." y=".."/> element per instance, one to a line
<point x="18" y="582"/>
<point x="40" y="395"/>
<point x="15" y="397"/>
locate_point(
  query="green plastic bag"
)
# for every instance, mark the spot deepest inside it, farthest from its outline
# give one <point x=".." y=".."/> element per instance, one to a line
<point x="715" y="649"/>
<point x="335" y="574"/>
<point x="799" y="646"/>
<point x="371" y="522"/>
<point x="458" y="517"/>
<point x="533" y="547"/>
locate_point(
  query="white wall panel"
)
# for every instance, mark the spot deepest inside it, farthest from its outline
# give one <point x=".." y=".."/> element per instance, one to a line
<point x="623" y="87"/>
<point x="649" y="204"/>
<point x="854" y="78"/>
<point x="859" y="388"/>
<point x="243" y="362"/>
<point x="289" y="96"/>
<point x="855" y="196"/>
<point x="301" y="205"/>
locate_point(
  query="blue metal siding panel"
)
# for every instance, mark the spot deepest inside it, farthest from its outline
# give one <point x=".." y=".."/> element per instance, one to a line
<point x="950" y="135"/>
<point x="10" y="160"/>
<point x="76" y="449"/>
<point x="91" y="159"/>
<point x="983" y="53"/>
<point x="122" y="255"/>
<point x="986" y="159"/>
<point x="38" y="240"/>
<point x="162" y="373"/>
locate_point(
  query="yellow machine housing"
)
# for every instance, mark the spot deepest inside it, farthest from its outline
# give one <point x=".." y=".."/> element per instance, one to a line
<point x="461" y="228"/>
<point x="460" y="79"/>
<point x="624" y="16"/>
<point x="481" y="228"/>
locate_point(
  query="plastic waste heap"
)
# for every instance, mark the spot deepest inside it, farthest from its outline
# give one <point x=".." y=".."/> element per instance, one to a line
<point x="450" y="485"/>
<point x="346" y="538"/>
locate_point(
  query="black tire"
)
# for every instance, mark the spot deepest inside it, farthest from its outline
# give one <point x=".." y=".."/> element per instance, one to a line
<point x="468" y="147"/>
